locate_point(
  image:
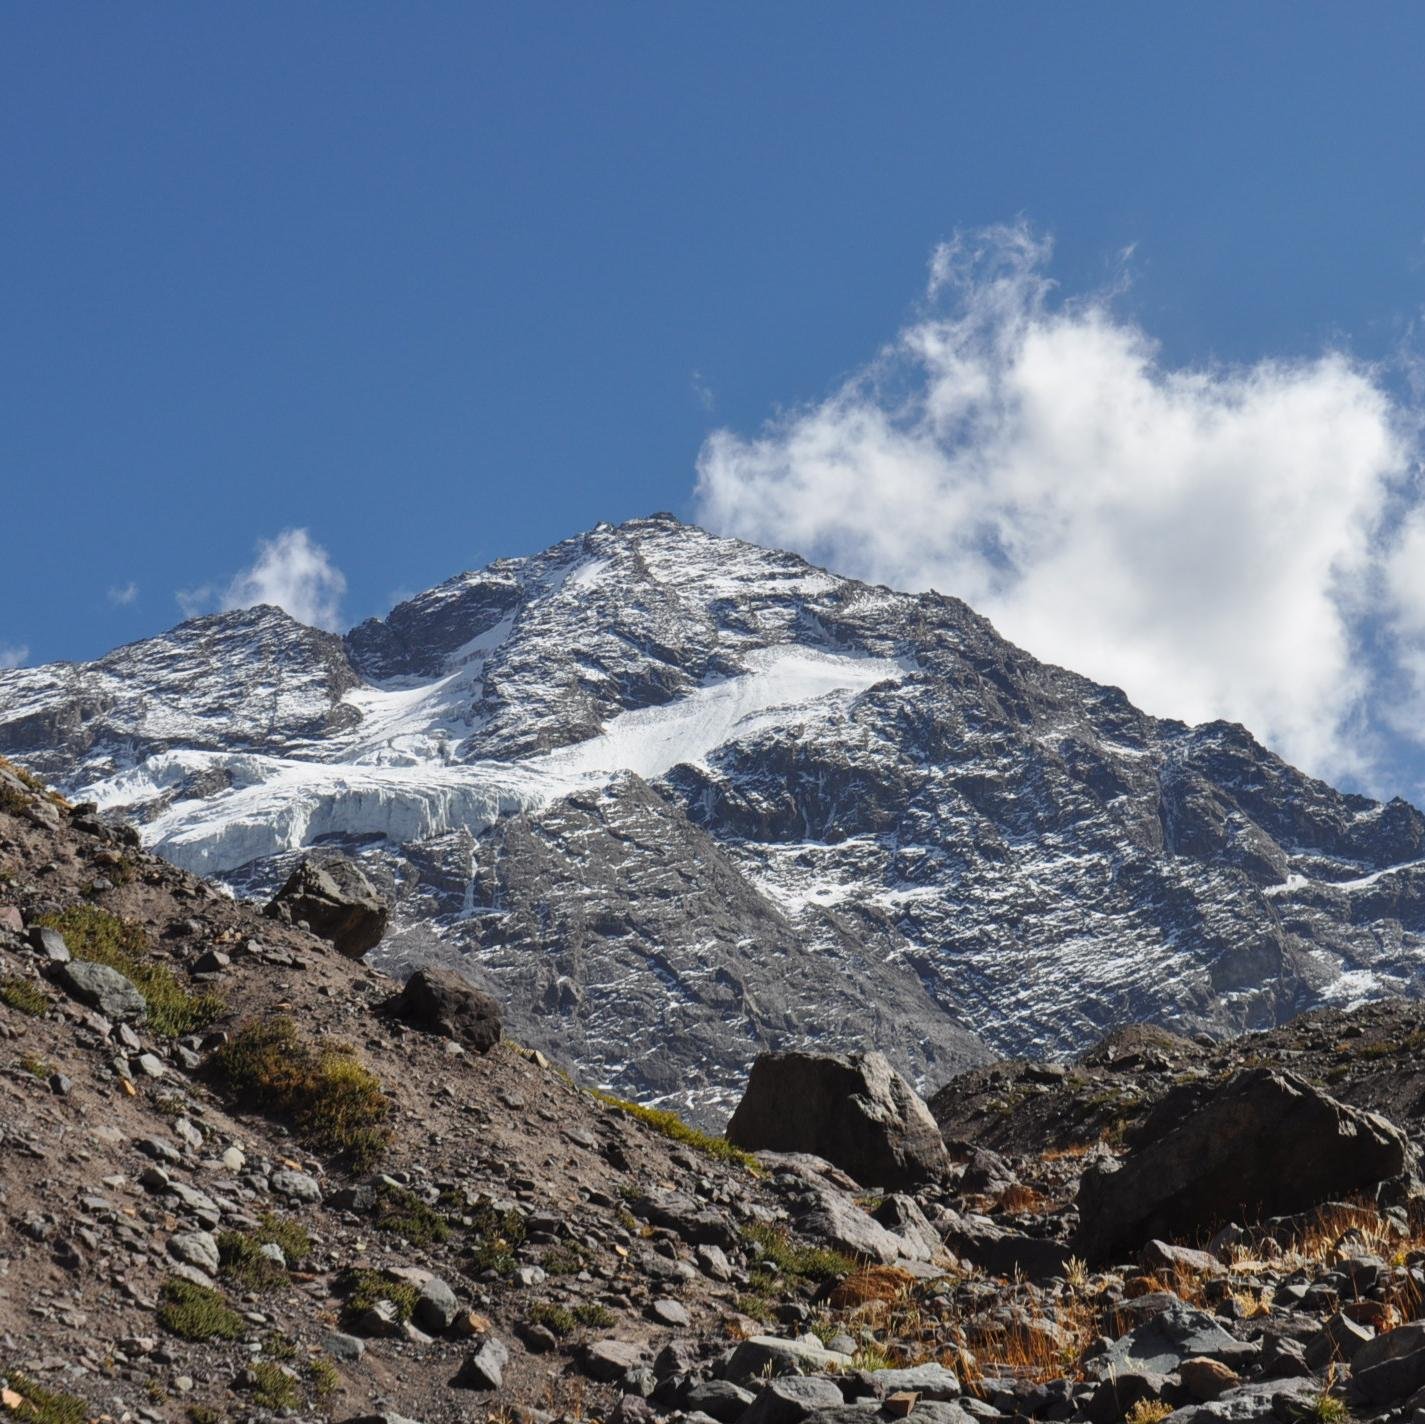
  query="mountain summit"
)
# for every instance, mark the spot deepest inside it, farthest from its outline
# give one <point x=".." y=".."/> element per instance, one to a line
<point x="675" y="799"/>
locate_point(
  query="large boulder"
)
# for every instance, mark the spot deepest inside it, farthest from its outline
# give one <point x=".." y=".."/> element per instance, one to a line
<point x="336" y="901"/>
<point x="105" y="989"/>
<point x="441" y="1001"/>
<point x="856" y="1112"/>
<point x="1264" y="1144"/>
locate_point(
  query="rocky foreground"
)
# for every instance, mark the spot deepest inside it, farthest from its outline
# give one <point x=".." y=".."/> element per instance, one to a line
<point x="245" y="1176"/>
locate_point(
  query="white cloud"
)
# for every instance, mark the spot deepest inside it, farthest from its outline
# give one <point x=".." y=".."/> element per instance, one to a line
<point x="13" y="655"/>
<point x="290" y="571"/>
<point x="123" y="594"/>
<point x="1209" y="539"/>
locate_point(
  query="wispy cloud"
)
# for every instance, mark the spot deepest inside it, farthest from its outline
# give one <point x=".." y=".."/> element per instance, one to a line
<point x="292" y="572"/>
<point x="13" y="655"/>
<point x="1213" y="539"/>
<point x="121" y="595"/>
<point x="704" y="393"/>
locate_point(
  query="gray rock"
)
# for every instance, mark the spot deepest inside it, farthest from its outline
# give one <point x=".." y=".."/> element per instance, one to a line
<point x="841" y="1224"/>
<point x="50" y="944"/>
<point x="670" y="1312"/>
<point x="714" y="1262"/>
<point x="344" y="1347"/>
<point x="298" y="1185"/>
<point x="437" y="1306"/>
<point x="1161" y="1344"/>
<point x="197" y="1248"/>
<point x="928" y="1381"/>
<point x="104" y="989"/>
<point x="1266" y="1141"/>
<point x="609" y="1359"/>
<point x="856" y="1112"/>
<point x="718" y="1399"/>
<point x="790" y="1399"/>
<point x="760" y="1354"/>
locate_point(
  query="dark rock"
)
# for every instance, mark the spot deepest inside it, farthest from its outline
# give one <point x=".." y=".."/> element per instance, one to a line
<point x="104" y="989"/>
<point x="1391" y="1366"/>
<point x="1161" y="1344"/>
<point x="442" y="1001"/>
<point x="718" y="1399"/>
<point x="1266" y="1142"/>
<point x="790" y="1399"/>
<point x="336" y="900"/>
<point x="762" y="1355"/>
<point x="856" y="1112"/>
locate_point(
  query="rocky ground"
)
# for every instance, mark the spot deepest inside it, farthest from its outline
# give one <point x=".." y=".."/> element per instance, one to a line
<point x="237" y="1181"/>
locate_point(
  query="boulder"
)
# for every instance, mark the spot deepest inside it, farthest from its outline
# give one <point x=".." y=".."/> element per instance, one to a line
<point x="1265" y="1143"/>
<point x="104" y="989"/>
<point x="857" y="1112"/>
<point x="336" y="901"/>
<point x="442" y="1001"/>
<point x="763" y="1356"/>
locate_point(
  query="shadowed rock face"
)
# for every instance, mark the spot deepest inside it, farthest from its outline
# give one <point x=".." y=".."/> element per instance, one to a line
<point x="1266" y="1144"/>
<point x="440" y="1001"/>
<point x="858" y="1113"/>
<point x="336" y="901"/>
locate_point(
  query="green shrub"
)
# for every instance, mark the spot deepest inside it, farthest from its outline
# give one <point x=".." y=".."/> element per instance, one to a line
<point x="557" y="1319"/>
<point x="672" y="1126"/>
<point x="24" y="996"/>
<point x="271" y="1386"/>
<point x="792" y="1258"/>
<point x="102" y="938"/>
<point x="43" y="1406"/>
<point x="282" y="1231"/>
<point x="594" y="1315"/>
<point x="194" y="1312"/>
<point x="562" y="1261"/>
<point x="240" y="1260"/>
<point x="402" y="1213"/>
<point x="500" y="1232"/>
<point x="324" y="1377"/>
<point x="363" y="1288"/>
<point x="334" y="1103"/>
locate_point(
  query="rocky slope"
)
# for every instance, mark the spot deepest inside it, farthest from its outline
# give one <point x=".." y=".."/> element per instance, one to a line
<point x="677" y="799"/>
<point x="236" y="1183"/>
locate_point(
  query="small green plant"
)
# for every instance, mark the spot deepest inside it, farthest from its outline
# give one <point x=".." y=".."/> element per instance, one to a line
<point x="24" y="996"/>
<point x="240" y="1260"/>
<point x="1148" y="1411"/>
<point x="562" y="1261"/>
<point x="332" y="1100"/>
<point x="1324" y="1408"/>
<point x="363" y="1288"/>
<point x="43" y="1406"/>
<point x="278" y="1347"/>
<point x="282" y="1231"/>
<point x="557" y="1319"/>
<point x="792" y="1258"/>
<point x="499" y="1233"/>
<point x="102" y="938"/>
<point x="271" y="1386"/>
<point x="203" y="1414"/>
<point x="324" y="1377"/>
<point x="871" y="1357"/>
<point x="36" y="1067"/>
<point x="594" y="1315"/>
<point x="401" y="1212"/>
<point x="672" y="1126"/>
<point x="194" y="1312"/>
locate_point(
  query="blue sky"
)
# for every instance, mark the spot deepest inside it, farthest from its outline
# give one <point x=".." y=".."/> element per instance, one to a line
<point x="439" y="283"/>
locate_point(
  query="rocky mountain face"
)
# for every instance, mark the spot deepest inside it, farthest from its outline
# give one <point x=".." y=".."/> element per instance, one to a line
<point x="675" y="799"/>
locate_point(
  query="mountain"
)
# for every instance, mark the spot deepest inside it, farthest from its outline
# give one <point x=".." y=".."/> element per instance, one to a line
<point x="675" y="798"/>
